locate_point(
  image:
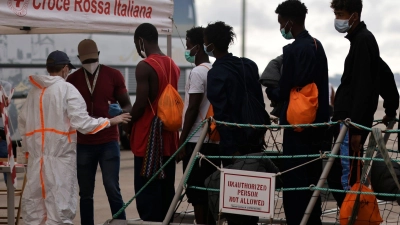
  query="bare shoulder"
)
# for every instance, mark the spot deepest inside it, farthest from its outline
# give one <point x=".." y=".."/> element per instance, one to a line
<point x="144" y="70"/>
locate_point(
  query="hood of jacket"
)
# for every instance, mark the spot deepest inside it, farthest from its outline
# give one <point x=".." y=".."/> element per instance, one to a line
<point x="44" y="81"/>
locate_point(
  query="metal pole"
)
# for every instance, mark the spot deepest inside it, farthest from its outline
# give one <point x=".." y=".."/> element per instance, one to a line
<point x="180" y="186"/>
<point x="169" y="45"/>
<point x="324" y="176"/>
<point x="243" y="26"/>
<point x="387" y="135"/>
<point x="10" y="199"/>
<point x="385" y="139"/>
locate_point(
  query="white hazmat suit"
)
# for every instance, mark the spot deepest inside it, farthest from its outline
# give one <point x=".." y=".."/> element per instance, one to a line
<point x="54" y="110"/>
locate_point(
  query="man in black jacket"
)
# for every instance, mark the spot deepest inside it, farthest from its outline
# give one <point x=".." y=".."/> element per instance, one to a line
<point x="304" y="62"/>
<point x="234" y="92"/>
<point x="389" y="93"/>
<point x="358" y="94"/>
<point x="236" y="96"/>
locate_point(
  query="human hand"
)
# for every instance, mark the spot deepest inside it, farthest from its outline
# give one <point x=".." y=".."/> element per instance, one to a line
<point x="181" y="154"/>
<point x="386" y="119"/>
<point x="114" y="109"/>
<point x="123" y="118"/>
<point x="356" y="143"/>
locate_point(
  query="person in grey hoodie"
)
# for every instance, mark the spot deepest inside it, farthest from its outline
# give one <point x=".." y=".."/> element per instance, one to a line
<point x="270" y="79"/>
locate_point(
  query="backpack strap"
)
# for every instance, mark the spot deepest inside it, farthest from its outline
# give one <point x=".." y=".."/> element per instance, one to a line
<point x="204" y="66"/>
<point x="165" y="73"/>
<point x="151" y="107"/>
<point x="170" y="68"/>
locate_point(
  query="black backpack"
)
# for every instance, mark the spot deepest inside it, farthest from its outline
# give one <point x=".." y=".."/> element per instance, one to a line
<point x="252" y="112"/>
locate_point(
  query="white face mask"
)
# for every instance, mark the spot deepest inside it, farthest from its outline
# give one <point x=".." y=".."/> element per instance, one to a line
<point x="91" y="67"/>
<point x="65" y="73"/>
<point x="342" y="26"/>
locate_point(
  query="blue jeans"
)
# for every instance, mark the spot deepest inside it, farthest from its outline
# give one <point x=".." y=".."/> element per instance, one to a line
<point x="344" y="151"/>
<point x="154" y="201"/>
<point x="342" y="176"/>
<point x="88" y="157"/>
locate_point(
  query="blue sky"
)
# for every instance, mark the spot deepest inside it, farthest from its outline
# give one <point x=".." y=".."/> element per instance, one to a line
<point x="264" y="41"/>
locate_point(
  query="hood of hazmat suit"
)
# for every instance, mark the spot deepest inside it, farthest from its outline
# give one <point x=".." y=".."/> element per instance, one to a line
<point x="48" y="121"/>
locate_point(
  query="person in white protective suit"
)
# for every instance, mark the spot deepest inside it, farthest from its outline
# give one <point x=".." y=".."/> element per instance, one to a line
<point x="48" y="121"/>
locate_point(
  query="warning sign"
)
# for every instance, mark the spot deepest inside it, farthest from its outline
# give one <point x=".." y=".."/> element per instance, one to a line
<point x="247" y="193"/>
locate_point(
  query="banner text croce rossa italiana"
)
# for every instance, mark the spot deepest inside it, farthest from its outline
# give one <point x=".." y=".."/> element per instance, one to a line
<point x="116" y="7"/>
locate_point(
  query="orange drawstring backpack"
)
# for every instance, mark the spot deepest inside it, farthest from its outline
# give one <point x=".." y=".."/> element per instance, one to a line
<point x="212" y="134"/>
<point x="303" y="104"/>
<point x="360" y="209"/>
<point x="170" y="105"/>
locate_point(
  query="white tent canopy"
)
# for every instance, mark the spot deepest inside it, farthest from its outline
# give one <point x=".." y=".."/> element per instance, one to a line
<point x="83" y="16"/>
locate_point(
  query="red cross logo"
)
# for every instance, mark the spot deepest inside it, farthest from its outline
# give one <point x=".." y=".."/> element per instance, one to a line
<point x="18" y="2"/>
<point x="18" y="8"/>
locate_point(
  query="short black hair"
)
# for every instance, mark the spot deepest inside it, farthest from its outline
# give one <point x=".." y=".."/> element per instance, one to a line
<point x="220" y="34"/>
<point x="196" y="36"/>
<point x="292" y="9"/>
<point x="147" y="31"/>
<point x="54" y="68"/>
<point x="350" y="6"/>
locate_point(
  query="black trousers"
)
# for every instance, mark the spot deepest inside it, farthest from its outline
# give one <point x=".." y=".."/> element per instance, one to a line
<point x="309" y="141"/>
<point x="154" y="201"/>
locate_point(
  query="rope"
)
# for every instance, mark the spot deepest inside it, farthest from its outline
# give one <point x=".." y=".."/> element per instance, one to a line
<point x="155" y="174"/>
<point x="394" y="119"/>
<point x="314" y="125"/>
<point x="321" y="157"/>
<point x="326" y="155"/>
<point x="310" y="188"/>
<point x="265" y="157"/>
<point x="327" y="124"/>
<point x="201" y="156"/>
<point x="177" y="30"/>
<point x="360" y="158"/>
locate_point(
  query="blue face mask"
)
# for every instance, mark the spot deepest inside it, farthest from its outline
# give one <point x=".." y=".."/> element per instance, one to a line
<point x="287" y="35"/>
<point x="210" y="53"/>
<point x="188" y="57"/>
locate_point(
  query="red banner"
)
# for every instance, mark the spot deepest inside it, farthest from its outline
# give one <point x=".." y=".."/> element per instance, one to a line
<point x="86" y="15"/>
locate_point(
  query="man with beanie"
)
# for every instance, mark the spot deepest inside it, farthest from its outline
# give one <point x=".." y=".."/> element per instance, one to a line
<point x="102" y="88"/>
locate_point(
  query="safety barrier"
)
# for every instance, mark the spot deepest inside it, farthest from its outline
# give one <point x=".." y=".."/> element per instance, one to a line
<point x="317" y="188"/>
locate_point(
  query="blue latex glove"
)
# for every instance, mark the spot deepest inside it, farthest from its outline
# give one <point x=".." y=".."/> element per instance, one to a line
<point x="114" y="109"/>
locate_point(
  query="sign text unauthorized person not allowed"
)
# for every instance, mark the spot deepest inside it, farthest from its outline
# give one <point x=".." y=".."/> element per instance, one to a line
<point x="247" y="193"/>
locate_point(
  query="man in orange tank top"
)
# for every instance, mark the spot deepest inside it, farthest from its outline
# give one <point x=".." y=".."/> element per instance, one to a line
<point x="152" y="76"/>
